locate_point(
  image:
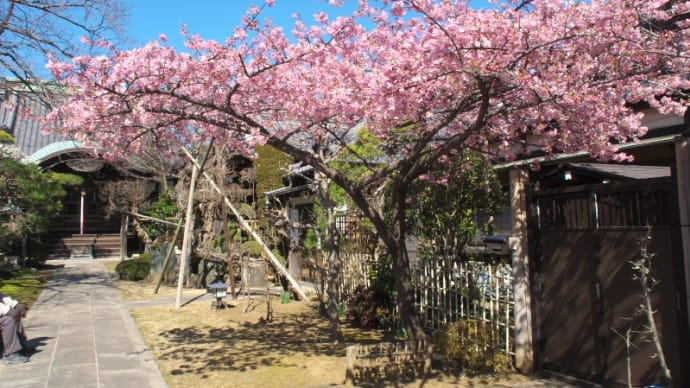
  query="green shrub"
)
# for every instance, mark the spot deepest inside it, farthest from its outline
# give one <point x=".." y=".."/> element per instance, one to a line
<point x="136" y="269"/>
<point x="165" y="207"/>
<point x="470" y="345"/>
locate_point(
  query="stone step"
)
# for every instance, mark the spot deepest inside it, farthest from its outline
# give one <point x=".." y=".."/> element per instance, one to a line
<point x="78" y="246"/>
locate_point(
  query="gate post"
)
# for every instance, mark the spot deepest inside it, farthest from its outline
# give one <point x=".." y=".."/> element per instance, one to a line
<point x="683" y="179"/>
<point x="523" y="338"/>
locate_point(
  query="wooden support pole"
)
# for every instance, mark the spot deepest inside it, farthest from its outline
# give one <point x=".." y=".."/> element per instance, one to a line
<point x="124" y="220"/>
<point x="683" y="180"/>
<point x="245" y="225"/>
<point x="524" y="342"/>
<point x="186" y="243"/>
<point x="189" y="222"/>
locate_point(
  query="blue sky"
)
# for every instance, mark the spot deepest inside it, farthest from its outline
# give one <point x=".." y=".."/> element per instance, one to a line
<point x="216" y="19"/>
<point x="212" y="19"/>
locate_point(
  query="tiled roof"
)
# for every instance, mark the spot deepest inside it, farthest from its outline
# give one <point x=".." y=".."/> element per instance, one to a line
<point x="21" y="115"/>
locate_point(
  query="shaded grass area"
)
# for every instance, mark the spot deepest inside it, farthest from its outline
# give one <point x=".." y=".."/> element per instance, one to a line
<point x="26" y="284"/>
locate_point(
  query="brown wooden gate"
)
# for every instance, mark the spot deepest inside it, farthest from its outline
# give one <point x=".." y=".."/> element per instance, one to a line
<point x="586" y="297"/>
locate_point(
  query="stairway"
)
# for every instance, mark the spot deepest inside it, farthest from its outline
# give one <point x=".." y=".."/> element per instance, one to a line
<point x="84" y="246"/>
<point x="107" y="245"/>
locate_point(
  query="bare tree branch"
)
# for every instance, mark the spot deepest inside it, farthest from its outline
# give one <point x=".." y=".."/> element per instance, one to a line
<point x="31" y="30"/>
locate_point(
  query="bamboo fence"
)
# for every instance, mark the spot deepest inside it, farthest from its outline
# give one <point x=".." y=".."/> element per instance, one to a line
<point x="470" y="290"/>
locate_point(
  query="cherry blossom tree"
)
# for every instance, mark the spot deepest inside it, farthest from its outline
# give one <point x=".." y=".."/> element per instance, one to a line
<point x="428" y="77"/>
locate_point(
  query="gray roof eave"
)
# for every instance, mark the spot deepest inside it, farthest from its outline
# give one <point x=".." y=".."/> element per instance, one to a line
<point x="55" y="149"/>
<point x="565" y="157"/>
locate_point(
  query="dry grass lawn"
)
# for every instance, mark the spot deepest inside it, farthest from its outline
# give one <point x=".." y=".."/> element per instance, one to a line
<point x="197" y="346"/>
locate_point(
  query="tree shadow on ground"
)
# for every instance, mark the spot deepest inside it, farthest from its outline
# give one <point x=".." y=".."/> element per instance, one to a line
<point x="249" y="342"/>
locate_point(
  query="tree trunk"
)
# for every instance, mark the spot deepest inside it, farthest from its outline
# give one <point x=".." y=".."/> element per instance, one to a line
<point x="393" y="238"/>
<point x="405" y="298"/>
<point x="294" y="257"/>
<point x="401" y="265"/>
<point x="25" y="250"/>
<point x="222" y="173"/>
<point x="643" y="268"/>
<point x="333" y="252"/>
<point x="142" y="234"/>
<point x="294" y="263"/>
<point x="249" y="229"/>
<point x="334" y="280"/>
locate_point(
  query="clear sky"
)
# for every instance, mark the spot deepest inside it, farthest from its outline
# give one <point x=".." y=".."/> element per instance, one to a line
<point x="213" y="19"/>
<point x="216" y="19"/>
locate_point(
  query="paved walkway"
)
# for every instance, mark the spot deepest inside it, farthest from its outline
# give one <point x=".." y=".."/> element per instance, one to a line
<point x="84" y="336"/>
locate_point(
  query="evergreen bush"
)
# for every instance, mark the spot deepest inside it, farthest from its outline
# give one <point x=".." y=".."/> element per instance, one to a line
<point x="137" y="269"/>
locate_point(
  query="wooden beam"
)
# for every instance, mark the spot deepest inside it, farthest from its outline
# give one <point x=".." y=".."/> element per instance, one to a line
<point x="154" y="219"/>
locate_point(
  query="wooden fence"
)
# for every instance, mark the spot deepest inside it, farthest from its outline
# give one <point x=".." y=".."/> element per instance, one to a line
<point x="449" y="292"/>
<point x="468" y="290"/>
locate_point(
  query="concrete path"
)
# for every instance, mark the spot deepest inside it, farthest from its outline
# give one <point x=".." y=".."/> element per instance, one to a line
<point x="84" y="336"/>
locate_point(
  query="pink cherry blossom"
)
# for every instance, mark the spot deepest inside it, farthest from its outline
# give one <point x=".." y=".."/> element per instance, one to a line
<point x="437" y="77"/>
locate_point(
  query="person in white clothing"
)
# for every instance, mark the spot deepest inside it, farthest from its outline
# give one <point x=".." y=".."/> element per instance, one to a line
<point x="13" y="335"/>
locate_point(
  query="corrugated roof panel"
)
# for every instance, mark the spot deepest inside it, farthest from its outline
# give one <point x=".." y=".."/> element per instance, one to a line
<point x="626" y="170"/>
